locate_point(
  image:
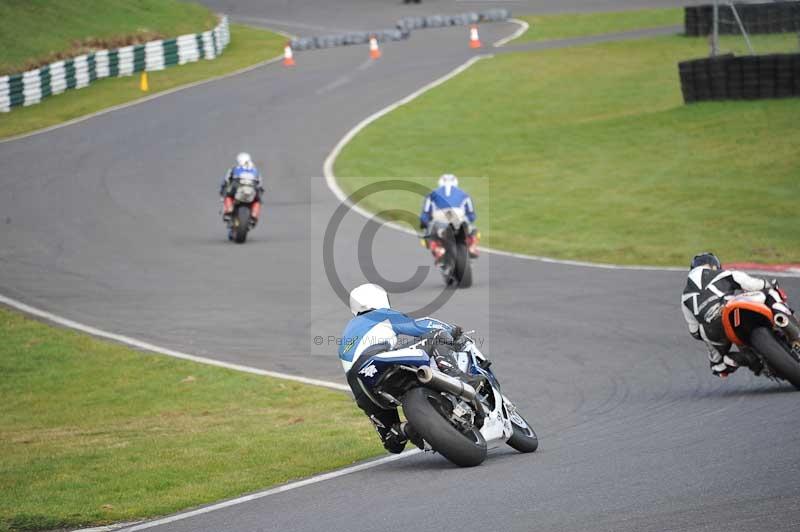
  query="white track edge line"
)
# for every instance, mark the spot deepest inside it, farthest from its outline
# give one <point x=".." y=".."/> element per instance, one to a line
<point x="108" y="528"/>
<point x="127" y="340"/>
<point x="330" y="160"/>
<point x="152" y="96"/>
<point x="524" y="26"/>
<point x="273" y="491"/>
<point x="333" y="186"/>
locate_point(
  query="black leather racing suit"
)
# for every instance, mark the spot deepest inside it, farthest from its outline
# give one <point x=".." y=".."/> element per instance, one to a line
<point x="703" y="298"/>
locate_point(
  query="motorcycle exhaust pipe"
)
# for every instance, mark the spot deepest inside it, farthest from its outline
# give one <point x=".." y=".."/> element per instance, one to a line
<point x="789" y="326"/>
<point x="445" y="383"/>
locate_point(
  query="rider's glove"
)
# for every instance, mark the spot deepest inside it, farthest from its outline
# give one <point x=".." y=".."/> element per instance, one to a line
<point x="443" y="337"/>
<point x="435" y="339"/>
<point x="459" y="340"/>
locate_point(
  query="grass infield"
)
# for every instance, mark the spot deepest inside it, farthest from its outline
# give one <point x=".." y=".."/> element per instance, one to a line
<point x="567" y="25"/>
<point x="590" y="154"/>
<point x="74" y="26"/>
<point x="92" y="432"/>
<point x="248" y="46"/>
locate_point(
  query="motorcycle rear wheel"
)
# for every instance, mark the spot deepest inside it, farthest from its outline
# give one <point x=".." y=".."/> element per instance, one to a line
<point x="463" y="268"/>
<point x="241" y="224"/>
<point x="426" y="411"/>
<point x="776" y="354"/>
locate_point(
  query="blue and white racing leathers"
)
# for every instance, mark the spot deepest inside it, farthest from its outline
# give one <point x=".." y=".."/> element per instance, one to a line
<point x="235" y="174"/>
<point x="374" y="332"/>
<point x="381" y="328"/>
<point x="443" y="199"/>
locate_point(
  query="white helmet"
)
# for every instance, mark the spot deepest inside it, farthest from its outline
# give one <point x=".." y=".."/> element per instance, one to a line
<point x="368" y="297"/>
<point x="448" y="180"/>
<point x="244" y="159"/>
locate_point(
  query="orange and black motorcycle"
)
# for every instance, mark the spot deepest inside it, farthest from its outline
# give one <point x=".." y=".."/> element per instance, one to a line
<point x="764" y="322"/>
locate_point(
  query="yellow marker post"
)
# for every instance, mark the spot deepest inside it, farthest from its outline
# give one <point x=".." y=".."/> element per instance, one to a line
<point x="143" y="85"/>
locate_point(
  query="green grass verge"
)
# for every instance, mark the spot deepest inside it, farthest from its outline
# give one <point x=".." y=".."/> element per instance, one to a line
<point x="248" y="46"/>
<point x="40" y="30"/>
<point x="590" y="154"/>
<point x="92" y="432"/>
<point x="567" y="25"/>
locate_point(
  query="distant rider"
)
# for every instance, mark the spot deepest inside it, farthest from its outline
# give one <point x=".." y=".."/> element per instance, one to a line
<point x="243" y="169"/>
<point x="448" y="196"/>
<point x="707" y="290"/>
<point x="375" y="329"/>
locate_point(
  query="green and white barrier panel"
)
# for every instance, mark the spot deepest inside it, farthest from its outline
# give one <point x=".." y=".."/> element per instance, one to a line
<point x="30" y="87"/>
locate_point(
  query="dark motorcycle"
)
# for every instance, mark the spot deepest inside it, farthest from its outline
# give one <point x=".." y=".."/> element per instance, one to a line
<point x="452" y="417"/>
<point x="449" y="240"/>
<point x="244" y="207"/>
<point x="772" y="333"/>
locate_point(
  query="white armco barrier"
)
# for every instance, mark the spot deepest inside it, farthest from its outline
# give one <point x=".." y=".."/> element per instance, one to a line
<point x="208" y="45"/>
<point x="188" y="50"/>
<point x="32" y="87"/>
<point x="81" y="72"/>
<point x="101" y="69"/>
<point x="29" y="88"/>
<point x="125" y="58"/>
<point x="154" y="55"/>
<point x="5" y="100"/>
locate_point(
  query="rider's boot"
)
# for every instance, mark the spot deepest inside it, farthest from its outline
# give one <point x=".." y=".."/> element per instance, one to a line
<point x="437" y="250"/>
<point x="440" y="349"/>
<point x="393" y="438"/>
<point x="472" y="244"/>
<point x="412" y="435"/>
<point x="727" y="366"/>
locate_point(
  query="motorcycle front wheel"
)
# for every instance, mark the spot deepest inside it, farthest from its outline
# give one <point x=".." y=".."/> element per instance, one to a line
<point x="524" y="438"/>
<point x="778" y="356"/>
<point x="428" y="412"/>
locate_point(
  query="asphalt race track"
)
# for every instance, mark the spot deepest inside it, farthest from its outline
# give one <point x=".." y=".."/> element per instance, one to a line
<point x="113" y="222"/>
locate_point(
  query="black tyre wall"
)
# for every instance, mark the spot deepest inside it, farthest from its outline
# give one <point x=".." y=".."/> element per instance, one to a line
<point x="733" y="78"/>
<point x="766" y="17"/>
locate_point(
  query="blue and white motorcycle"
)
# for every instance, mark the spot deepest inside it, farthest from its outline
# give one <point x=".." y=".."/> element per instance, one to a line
<point x="452" y="417"/>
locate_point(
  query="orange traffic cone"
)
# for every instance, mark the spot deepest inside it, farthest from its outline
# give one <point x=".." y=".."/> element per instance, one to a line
<point x="374" y="50"/>
<point x="474" y="40"/>
<point x="288" y="57"/>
